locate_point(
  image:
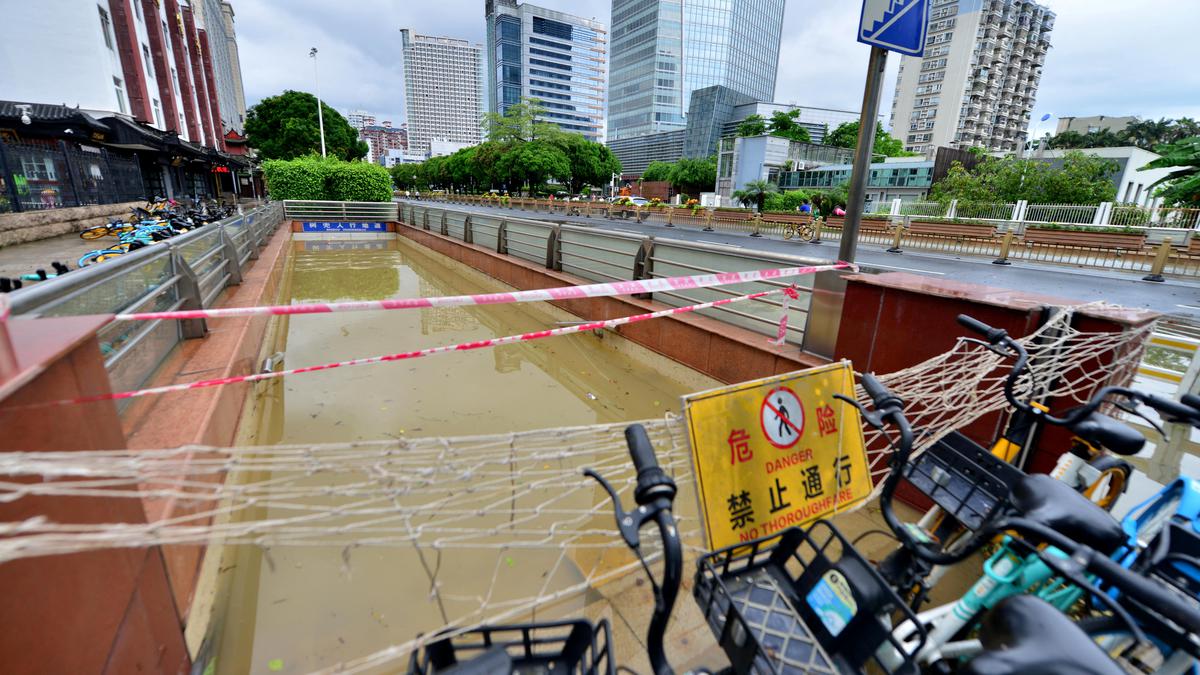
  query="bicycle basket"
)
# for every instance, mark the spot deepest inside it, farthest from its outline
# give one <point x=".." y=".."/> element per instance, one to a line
<point x="963" y="478"/>
<point x="801" y="601"/>
<point x="551" y="648"/>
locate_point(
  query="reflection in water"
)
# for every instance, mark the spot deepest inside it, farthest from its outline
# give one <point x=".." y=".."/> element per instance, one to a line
<point x="307" y="607"/>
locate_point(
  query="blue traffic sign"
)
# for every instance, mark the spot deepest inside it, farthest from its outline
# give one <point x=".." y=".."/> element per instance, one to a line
<point x="895" y="25"/>
<point x="343" y="226"/>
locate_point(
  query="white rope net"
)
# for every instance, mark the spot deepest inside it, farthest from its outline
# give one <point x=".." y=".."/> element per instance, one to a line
<point x="483" y="496"/>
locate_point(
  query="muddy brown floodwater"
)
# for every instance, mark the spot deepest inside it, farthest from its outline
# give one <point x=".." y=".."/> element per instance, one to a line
<point x="305" y="609"/>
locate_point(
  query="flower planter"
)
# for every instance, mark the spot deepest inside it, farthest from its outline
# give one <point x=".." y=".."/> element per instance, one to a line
<point x="1084" y="238"/>
<point x="733" y="216"/>
<point x="865" y="225"/>
<point x="803" y="218"/>
<point x="952" y="230"/>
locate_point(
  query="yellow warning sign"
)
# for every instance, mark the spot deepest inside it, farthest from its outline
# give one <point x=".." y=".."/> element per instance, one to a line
<point x="776" y="452"/>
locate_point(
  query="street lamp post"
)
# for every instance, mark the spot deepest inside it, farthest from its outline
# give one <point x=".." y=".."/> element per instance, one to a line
<point x="317" y="80"/>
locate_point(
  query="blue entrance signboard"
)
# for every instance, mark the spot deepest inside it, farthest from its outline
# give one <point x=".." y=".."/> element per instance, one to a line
<point x="343" y="226"/>
<point x="895" y="25"/>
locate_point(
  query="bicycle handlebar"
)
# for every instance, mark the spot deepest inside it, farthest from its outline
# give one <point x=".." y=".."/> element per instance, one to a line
<point x="654" y="494"/>
<point x="652" y="482"/>
<point x="992" y="335"/>
<point x="880" y="395"/>
<point x="640" y="450"/>
<point x="1192" y="401"/>
<point x="1136" y="586"/>
<point x="1187" y="412"/>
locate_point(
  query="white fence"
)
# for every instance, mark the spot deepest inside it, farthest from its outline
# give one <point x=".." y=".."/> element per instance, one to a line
<point x="1107" y="214"/>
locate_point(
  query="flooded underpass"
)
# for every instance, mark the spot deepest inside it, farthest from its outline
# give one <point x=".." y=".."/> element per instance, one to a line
<point x="298" y="609"/>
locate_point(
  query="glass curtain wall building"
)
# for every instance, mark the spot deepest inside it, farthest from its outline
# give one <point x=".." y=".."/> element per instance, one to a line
<point x="557" y="58"/>
<point x="663" y="50"/>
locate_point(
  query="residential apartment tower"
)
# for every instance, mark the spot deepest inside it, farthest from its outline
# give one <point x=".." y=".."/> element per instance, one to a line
<point x="977" y="82"/>
<point x="443" y="86"/>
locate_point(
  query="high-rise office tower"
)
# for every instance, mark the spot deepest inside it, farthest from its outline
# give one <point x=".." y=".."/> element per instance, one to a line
<point x="443" y="87"/>
<point x="217" y="16"/>
<point x="557" y="58"/>
<point x="663" y="51"/>
<point x="976" y="84"/>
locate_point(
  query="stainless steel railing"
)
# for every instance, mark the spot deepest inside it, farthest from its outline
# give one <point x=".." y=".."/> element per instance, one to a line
<point x="185" y="272"/>
<point x="606" y="255"/>
<point x="298" y="209"/>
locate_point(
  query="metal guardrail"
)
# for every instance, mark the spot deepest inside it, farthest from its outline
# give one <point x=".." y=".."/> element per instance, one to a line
<point x="185" y="272"/>
<point x="606" y="255"/>
<point x="314" y="210"/>
<point x="1170" y="352"/>
<point x="1153" y="251"/>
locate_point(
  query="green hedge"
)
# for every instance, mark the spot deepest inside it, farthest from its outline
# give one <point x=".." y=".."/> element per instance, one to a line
<point x="1098" y="229"/>
<point x="359" y="182"/>
<point x="327" y="179"/>
<point x="295" y="179"/>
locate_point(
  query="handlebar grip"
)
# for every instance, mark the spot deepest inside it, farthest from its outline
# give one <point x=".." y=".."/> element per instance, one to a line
<point x="640" y="449"/>
<point x="1172" y="409"/>
<point x="1192" y="401"/>
<point x="652" y="481"/>
<point x="880" y="395"/>
<point x="1146" y="591"/>
<point x="992" y="335"/>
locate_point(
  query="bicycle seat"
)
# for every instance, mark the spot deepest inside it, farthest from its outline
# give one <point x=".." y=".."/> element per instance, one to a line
<point x="1106" y="432"/>
<point x="1025" y="634"/>
<point x="1056" y="505"/>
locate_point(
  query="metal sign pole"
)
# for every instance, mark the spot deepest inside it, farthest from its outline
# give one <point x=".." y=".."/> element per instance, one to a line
<point x="862" y="156"/>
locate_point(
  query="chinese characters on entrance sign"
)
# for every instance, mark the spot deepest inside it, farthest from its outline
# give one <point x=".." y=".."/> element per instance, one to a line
<point x="775" y="453"/>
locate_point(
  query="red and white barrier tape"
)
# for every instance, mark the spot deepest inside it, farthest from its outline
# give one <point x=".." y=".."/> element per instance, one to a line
<point x="537" y="295"/>
<point x="465" y="346"/>
<point x="789" y="293"/>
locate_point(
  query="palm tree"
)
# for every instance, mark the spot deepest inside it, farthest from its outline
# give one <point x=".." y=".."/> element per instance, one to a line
<point x="1148" y="133"/>
<point x="1182" y="186"/>
<point x="1068" y="139"/>
<point x="1185" y="127"/>
<point x="755" y="193"/>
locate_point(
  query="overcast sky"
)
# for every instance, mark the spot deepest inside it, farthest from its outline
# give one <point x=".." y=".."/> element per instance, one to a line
<point x="1108" y="57"/>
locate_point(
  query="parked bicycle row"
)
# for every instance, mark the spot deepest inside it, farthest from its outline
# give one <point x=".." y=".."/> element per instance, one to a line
<point x="1063" y="588"/>
<point x="160" y="219"/>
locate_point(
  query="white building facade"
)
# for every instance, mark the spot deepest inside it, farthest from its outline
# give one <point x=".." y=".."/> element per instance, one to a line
<point x="977" y="82"/>
<point x="156" y="61"/>
<point x="1133" y="185"/>
<point x="444" y="90"/>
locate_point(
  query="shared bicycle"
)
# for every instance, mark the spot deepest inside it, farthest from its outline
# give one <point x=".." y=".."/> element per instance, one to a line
<point x="1064" y="588"/>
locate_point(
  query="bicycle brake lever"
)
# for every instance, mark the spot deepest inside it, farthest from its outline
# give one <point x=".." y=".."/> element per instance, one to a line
<point x="875" y="418"/>
<point x="996" y="349"/>
<point x="628" y="523"/>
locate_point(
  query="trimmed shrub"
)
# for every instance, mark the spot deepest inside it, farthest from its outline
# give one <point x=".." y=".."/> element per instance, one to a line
<point x="359" y="182"/>
<point x="295" y="179"/>
<point x="327" y="179"/>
